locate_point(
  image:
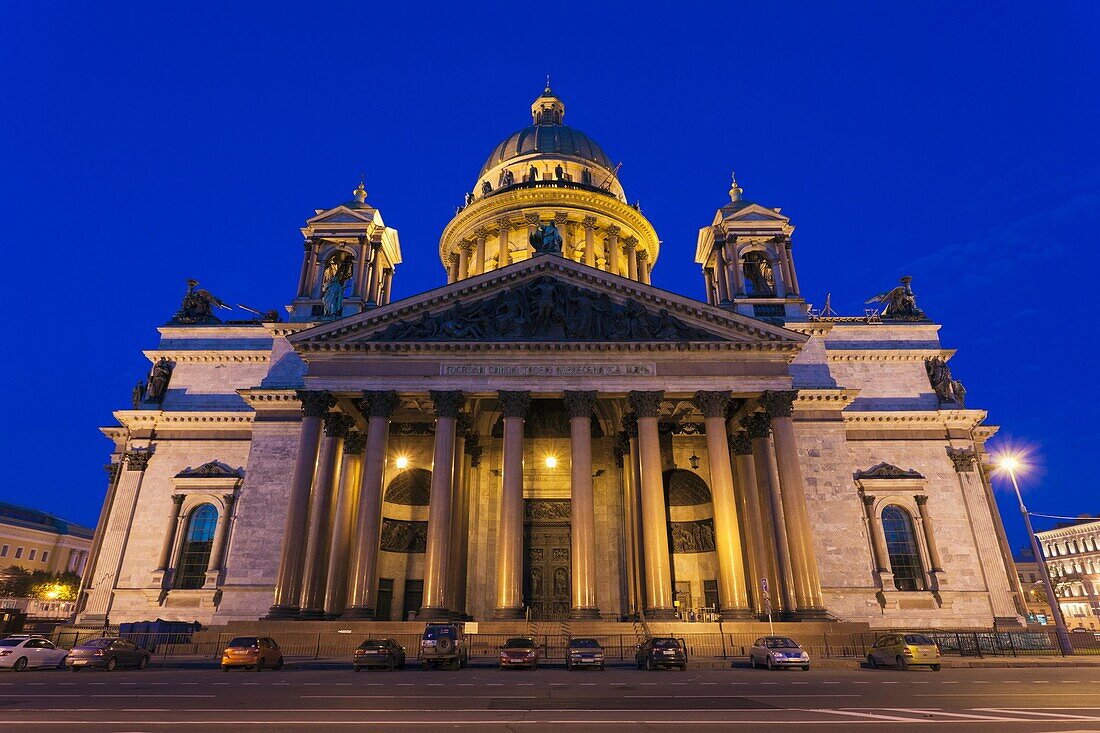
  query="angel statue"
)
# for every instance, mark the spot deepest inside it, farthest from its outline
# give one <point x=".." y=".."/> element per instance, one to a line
<point x="947" y="388"/>
<point x="198" y="306"/>
<point x="899" y="303"/>
<point x="337" y="273"/>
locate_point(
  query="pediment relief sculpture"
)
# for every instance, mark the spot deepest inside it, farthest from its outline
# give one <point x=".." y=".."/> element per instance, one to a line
<point x="888" y="471"/>
<point x="546" y="309"/>
<point x="211" y="469"/>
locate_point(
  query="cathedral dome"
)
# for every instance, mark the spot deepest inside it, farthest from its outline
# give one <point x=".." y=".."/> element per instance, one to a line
<point x="549" y="139"/>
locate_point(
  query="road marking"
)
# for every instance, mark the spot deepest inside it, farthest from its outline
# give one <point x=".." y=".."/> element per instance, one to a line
<point x="918" y="711"/>
<point x="1031" y="711"/>
<point x="857" y="714"/>
<point x="77" y="694"/>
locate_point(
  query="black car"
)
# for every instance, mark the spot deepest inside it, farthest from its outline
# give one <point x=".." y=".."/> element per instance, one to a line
<point x="661" y="651"/>
<point x="108" y="653"/>
<point x="385" y="653"/>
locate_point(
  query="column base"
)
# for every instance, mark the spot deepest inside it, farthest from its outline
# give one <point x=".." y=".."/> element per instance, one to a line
<point x="737" y="614"/>
<point x="812" y="614"/>
<point x="508" y="614"/>
<point x="587" y="614"/>
<point x="358" y="613"/>
<point x="91" y="621"/>
<point x="661" y="614"/>
<point x="1009" y="622"/>
<point x="433" y="614"/>
<point x="281" y="613"/>
<point x="312" y="614"/>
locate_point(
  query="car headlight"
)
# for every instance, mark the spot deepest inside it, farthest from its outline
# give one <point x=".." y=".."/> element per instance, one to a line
<point x="803" y="655"/>
<point x="777" y="655"/>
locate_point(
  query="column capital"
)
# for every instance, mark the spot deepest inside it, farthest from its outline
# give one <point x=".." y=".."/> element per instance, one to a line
<point x="643" y="256"/>
<point x="514" y="404"/>
<point x="177" y="499"/>
<point x="779" y="403"/>
<point x="463" y="422"/>
<point x="921" y="500"/>
<point x="355" y="442"/>
<point x="757" y="424"/>
<point x="630" y="425"/>
<point x="137" y="460"/>
<point x="741" y="443"/>
<point x="447" y="404"/>
<point x="475" y="451"/>
<point x="314" y="403"/>
<point x="112" y="471"/>
<point x="560" y="217"/>
<point x="532" y="219"/>
<point x="613" y="230"/>
<point x="379" y="403"/>
<point x="589" y="222"/>
<point x="621" y="447"/>
<point x="337" y="424"/>
<point x="481" y="233"/>
<point x="467" y="246"/>
<point x="580" y="403"/>
<point x="645" y="404"/>
<point x="630" y="241"/>
<point x="868" y="500"/>
<point x="962" y="458"/>
<point x="229" y="500"/>
<point x="504" y="223"/>
<point x="712" y="404"/>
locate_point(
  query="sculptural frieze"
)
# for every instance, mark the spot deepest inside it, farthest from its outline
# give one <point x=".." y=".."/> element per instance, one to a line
<point x="691" y="537"/>
<point x="887" y="471"/>
<point x="899" y="304"/>
<point x="198" y="307"/>
<point x="210" y="469"/>
<point x="401" y="536"/>
<point x="545" y="510"/>
<point x="545" y="309"/>
<point x="939" y="376"/>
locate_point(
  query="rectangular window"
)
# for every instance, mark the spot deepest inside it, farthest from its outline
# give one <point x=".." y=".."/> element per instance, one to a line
<point x="45" y="555"/>
<point x="33" y="553"/>
<point x="18" y="553"/>
<point x="710" y="593"/>
<point x="4" y="551"/>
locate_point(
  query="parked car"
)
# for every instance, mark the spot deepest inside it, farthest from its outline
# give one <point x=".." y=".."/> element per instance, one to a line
<point x="252" y="652"/>
<point x="904" y="651"/>
<point x="444" y="645"/>
<point x="379" y="653"/>
<point x="25" y="651"/>
<point x="519" y="652"/>
<point x="661" y="651"/>
<point x="584" y="652"/>
<point x="106" y="652"/>
<point x="775" y="652"/>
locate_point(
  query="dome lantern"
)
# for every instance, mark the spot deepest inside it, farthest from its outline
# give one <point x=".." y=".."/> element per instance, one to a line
<point x="547" y="109"/>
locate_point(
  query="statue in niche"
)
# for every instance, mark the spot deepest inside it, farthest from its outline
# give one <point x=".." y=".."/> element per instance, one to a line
<point x="507" y="178"/>
<point x="559" y="173"/>
<point x="759" y="274"/>
<point x="533" y="174"/>
<point x="900" y="303"/>
<point x="486" y="188"/>
<point x="137" y="394"/>
<point x="546" y="239"/>
<point x="536" y="582"/>
<point x="336" y="275"/>
<point x="561" y="582"/>
<point x="198" y="306"/>
<point x="158" y="380"/>
<point x="939" y="376"/>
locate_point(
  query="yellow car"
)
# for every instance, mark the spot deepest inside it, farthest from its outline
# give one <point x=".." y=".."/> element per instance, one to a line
<point x="252" y="652"/>
<point x="904" y="651"/>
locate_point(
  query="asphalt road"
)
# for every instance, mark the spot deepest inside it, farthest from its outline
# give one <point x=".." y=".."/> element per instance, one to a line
<point x="486" y="699"/>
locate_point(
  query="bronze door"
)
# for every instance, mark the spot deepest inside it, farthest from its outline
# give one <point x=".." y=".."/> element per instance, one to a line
<point x="546" y="562"/>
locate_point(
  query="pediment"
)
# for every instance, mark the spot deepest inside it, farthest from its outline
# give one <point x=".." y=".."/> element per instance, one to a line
<point x="343" y="215"/>
<point x="888" y="471"/>
<point x="546" y="299"/>
<point x="755" y="212"/>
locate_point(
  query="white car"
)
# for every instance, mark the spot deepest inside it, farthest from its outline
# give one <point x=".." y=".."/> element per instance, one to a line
<point x="28" y="652"/>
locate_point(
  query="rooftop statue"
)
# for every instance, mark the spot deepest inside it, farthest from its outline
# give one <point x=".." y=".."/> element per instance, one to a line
<point x="337" y="273"/>
<point x="546" y="239"/>
<point x="198" y="307"/>
<point x="899" y="304"/>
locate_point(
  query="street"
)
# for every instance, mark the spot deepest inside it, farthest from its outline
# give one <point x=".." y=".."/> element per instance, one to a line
<point x="486" y="699"/>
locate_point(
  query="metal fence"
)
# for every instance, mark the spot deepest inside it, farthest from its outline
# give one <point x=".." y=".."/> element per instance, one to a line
<point x="617" y="647"/>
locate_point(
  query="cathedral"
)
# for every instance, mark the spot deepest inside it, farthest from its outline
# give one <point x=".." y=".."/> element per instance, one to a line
<point x="550" y="435"/>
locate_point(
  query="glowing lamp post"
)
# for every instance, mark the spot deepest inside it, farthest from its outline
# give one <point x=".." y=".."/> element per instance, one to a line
<point x="1010" y="464"/>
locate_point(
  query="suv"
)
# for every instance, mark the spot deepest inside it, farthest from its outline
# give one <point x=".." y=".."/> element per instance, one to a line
<point x="661" y="651"/>
<point x="444" y="645"/>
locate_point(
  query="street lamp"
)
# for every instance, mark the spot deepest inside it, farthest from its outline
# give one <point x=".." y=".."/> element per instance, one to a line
<point x="1009" y="464"/>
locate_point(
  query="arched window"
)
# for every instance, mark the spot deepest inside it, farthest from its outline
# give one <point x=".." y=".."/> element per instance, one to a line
<point x="759" y="277"/>
<point x="411" y="487"/>
<point x="901" y="545"/>
<point x="197" y="542"/>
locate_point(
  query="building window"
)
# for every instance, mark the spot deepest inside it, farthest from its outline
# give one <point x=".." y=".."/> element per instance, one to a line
<point x="45" y="555"/>
<point x="33" y="554"/>
<point x="197" y="543"/>
<point x="901" y="545"/>
<point x="18" y="553"/>
<point x="4" y="550"/>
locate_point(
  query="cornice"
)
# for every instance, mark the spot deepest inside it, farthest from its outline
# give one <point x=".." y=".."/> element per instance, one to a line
<point x="788" y="350"/>
<point x="260" y="399"/>
<point x="161" y="420"/>
<point x="210" y="356"/>
<point x="818" y="399"/>
<point x="809" y="328"/>
<point x="871" y="354"/>
<point x="914" y="420"/>
<point x="229" y="330"/>
<point x="282" y="330"/>
<point x="1074" y="531"/>
<point x="985" y="432"/>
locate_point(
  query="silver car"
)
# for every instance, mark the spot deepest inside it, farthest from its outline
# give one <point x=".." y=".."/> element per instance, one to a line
<point x="775" y="652"/>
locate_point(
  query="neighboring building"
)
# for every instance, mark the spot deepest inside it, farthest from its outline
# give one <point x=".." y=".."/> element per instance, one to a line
<point x="1031" y="583"/>
<point x="35" y="540"/>
<point x="1072" y="552"/>
<point x="549" y="432"/>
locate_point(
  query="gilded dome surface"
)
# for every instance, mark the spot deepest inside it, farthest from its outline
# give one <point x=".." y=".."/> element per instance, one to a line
<point x="547" y="139"/>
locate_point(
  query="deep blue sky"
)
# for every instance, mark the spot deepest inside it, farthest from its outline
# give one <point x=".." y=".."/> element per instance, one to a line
<point x="143" y="146"/>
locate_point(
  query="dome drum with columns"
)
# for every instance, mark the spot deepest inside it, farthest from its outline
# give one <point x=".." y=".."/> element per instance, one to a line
<point x="548" y="172"/>
<point x="550" y="435"/>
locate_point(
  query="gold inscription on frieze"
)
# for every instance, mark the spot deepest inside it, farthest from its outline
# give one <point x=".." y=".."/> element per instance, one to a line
<point x="548" y="370"/>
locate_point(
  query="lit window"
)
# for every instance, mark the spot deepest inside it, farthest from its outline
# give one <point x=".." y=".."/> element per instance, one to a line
<point x="197" y="543"/>
<point x="901" y="545"/>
